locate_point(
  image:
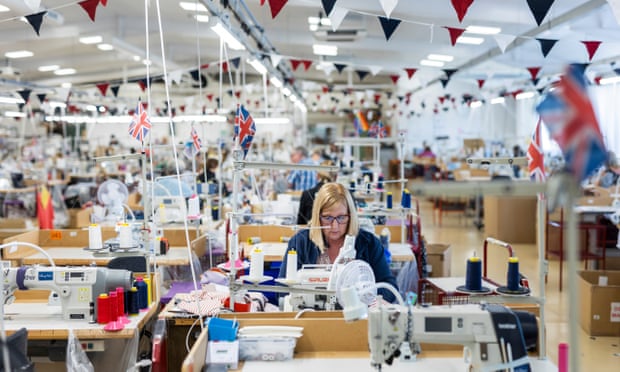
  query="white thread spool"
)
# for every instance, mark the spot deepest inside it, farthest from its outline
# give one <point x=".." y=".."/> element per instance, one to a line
<point x="258" y="263"/>
<point x="193" y="206"/>
<point x="94" y="237"/>
<point x="125" y="240"/>
<point x="291" y="265"/>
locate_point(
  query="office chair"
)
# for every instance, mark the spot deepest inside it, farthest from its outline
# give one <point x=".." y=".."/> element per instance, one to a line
<point x="17" y="345"/>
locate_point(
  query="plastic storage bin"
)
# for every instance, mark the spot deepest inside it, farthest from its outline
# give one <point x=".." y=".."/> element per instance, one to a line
<point x="222" y="329"/>
<point x="267" y="349"/>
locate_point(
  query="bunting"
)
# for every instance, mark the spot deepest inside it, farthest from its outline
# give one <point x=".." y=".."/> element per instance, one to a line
<point x="276" y="6"/>
<point x="461" y="7"/>
<point x="454" y="33"/>
<point x="533" y="72"/>
<point x="539" y="9"/>
<point x="25" y="94"/>
<point x="388" y="6"/>
<point x="339" y="67"/>
<point x="546" y="45"/>
<point x="388" y="25"/>
<point x="103" y="88"/>
<point x="410" y="72"/>
<point x="35" y="20"/>
<point x="480" y="83"/>
<point x="90" y="6"/>
<point x="591" y="47"/>
<point x="115" y="89"/>
<point x="394" y="78"/>
<point x="41" y="97"/>
<point x="361" y="74"/>
<point x="328" y="6"/>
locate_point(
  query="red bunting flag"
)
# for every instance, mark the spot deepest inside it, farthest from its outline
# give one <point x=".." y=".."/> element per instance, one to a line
<point x="238" y="94"/>
<point x="90" y="6"/>
<point x="307" y="63"/>
<point x="441" y="99"/>
<point x="204" y="66"/>
<point x="377" y="97"/>
<point x="394" y="78"/>
<point x="480" y="83"/>
<point x="461" y="7"/>
<point x="210" y="97"/>
<point x="295" y="63"/>
<point x="454" y="33"/>
<point x="591" y="47"/>
<point x="276" y="6"/>
<point x="142" y="84"/>
<point x="104" y="2"/>
<point x="410" y="72"/>
<point x="533" y="71"/>
<point x="103" y="88"/>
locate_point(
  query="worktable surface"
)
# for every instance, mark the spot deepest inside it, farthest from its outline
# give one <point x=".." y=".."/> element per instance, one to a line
<point x="78" y="256"/>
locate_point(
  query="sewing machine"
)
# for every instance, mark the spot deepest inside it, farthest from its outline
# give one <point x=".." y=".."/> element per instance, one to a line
<point x="494" y="337"/>
<point x="77" y="287"/>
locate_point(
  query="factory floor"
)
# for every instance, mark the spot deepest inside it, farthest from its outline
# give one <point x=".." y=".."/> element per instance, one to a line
<point x="596" y="353"/>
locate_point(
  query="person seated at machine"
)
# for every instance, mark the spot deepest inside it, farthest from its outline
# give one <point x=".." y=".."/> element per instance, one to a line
<point x="334" y="217"/>
<point x="307" y="196"/>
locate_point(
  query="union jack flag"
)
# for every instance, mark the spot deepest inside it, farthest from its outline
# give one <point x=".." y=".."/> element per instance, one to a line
<point x="568" y="114"/>
<point x="196" y="140"/>
<point x="140" y="124"/>
<point x="535" y="157"/>
<point x="245" y="128"/>
<point x="377" y="130"/>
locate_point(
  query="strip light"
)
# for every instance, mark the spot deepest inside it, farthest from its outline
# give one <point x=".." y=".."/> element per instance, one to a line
<point x="127" y="119"/>
<point x="228" y="38"/>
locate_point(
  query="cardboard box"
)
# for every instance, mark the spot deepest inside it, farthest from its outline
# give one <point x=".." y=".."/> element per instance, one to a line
<point x="510" y="218"/>
<point x="79" y="217"/>
<point x="599" y="292"/>
<point x="438" y="260"/>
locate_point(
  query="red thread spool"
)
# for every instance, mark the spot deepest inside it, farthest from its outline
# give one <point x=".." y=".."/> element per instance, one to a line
<point x="113" y="306"/>
<point x="120" y="292"/>
<point x="103" y="309"/>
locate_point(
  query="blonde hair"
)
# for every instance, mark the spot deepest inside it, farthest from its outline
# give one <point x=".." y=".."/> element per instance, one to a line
<point x="329" y="195"/>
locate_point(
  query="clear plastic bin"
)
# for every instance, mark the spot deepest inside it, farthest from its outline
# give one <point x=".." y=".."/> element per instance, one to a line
<point x="267" y="348"/>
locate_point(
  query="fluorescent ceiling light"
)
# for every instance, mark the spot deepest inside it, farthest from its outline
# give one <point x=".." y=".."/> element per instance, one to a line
<point x="105" y="46"/>
<point x="475" y="104"/>
<point x="313" y="27"/>
<point x="325" y="50"/>
<point x="227" y="37"/>
<point x="498" y="100"/>
<point x="193" y="6"/>
<point x="65" y="71"/>
<point x="92" y="108"/>
<point x="3" y="9"/>
<point x="483" y="30"/>
<point x="66" y="85"/>
<point x="286" y="91"/>
<point x="14" y="114"/>
<point x="258" y="66"/>
<point x="426" y="62"/>
<point x="524" y="95"/>
<point x="440" y="57"/>
<point x="127" y="119"/>
<point x="59" y="104"/>
<point x="610" y="80"/>
<point x="202" y="18"/>
<point x="272" y="120"/>
<point x="11" y="100"/>
<point x="136" y="58"/>
<point x="293" y="98"/>
<point x="470" y="40"/>
<point x="19" y="54"/>
<point x="48" y="68"/>
<point x="91" y="39"/>
<point x="302" y="107"/>
<point x="276" y="82"/>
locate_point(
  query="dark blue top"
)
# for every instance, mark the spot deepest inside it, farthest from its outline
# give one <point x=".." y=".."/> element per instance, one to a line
<point x="367" y="247"/>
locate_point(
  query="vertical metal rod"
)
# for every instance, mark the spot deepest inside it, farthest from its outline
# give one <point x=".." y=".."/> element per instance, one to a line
<point x="542" y="272"/>
<point x="571" y="243"/>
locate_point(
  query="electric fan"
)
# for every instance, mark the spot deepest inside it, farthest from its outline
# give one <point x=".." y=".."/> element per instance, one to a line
<point x="356" y="289"/>
<point x="113" y="194"/>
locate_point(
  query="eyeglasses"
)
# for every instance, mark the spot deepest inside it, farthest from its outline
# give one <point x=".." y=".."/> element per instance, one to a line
<point x="330" y="219"/>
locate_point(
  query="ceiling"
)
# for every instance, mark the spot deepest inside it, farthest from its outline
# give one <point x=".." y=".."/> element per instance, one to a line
<point x="189" y="44"/>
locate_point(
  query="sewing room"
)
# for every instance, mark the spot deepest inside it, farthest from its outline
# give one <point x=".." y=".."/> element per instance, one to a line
<point x="251" y="185"/>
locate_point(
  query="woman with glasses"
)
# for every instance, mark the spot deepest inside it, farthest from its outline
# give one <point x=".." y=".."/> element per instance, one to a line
<point x="333" y="217"/>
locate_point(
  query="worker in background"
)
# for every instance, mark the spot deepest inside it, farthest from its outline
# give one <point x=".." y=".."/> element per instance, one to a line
<point x="333" y="217"/>
<point x="608" y="174"/>
<point x="307" y="196"/>
<point x="517" y="152"/>
<point x="301" y="179"/>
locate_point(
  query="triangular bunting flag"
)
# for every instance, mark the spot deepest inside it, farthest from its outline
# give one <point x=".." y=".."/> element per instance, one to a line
<point x="328" y="6"/>
<point x="337" y="17"/>
<point x="195" y="75"/>
<point x="230" y="92"/>
<point x="276" y="6"/>
<point x="307" y="63"/>
<point x="546" y="45"/>
<point x="295" y="63"/>
<point x="210" y="97"/>
<point x="374" y="70"/>
<point x="591" y="47"/>
<point x="275" y="59"/>
<point x="115" y="89"/>
<point x="394" y="78"/>
<point x="535" y="81"/>
<point x="224" y="66"/>
<point x="41" y="97"/>
<point x="410" y="72"/>
<point x="35" y="20"/>
<point x="235" y="62"/>
<point x="454" y="33"/>
<point x="444" y="82"/>
<point x="533" y="71"/>
<point x="480" y="83"/>
<point x="539" y="9"/>
<point x="90" y="6"/>
<point x="103" y="88"/>
<point x="175" y="76"/>
<point x="503" y="41"/>
<point x="450" y="72"/>
<point x="361" y="74"/>
<point x="339" y="67"/>
<point x="25" y="94"/>
<point x="461" y="7"/>
<point x="389" y="26"/>
<point x="388" y="6"/>
<point x="104" y="2"/>
<point x="142" y="84"/>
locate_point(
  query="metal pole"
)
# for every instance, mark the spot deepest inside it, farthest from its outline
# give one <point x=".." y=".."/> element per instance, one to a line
<point x="571" y="239"/>
<point x="542" y="271"/>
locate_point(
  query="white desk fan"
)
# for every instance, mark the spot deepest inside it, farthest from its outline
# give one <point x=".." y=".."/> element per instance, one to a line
<point x="113" y="194"/>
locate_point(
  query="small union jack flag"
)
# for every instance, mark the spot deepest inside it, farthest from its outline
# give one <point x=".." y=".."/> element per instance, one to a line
<point x="570" y="118"/>
<point x="377" y="130"/>
<point x="245" y="128"/>
<point x="140" y="124"/>
<point x="535" y="157"/>
<point x="196" y="140"/>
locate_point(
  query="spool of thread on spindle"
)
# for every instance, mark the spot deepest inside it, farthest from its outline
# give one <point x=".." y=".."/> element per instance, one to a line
<point x="215" y="213"/>
<point x="142" y="293"/>
<point x="103" y="308"/>
<point x="563" y="357"/>
<point x="113" y="306"/>
<point x="352" y="186"/>
<point x="132" y="303"/>
<point x="125" y="240"/>
<point x="94" y="237"/>
<point x="193" y="208"/>
<point x="120" y="294"/>
<point x="380" y="182"/>
<point x="291" y="265"/>
<point x="512" y="280"/>
<point x="473" y="277"/>
<point x="149" y="289"/>
<point x="258" y="263"/>
<point x="405" y="200"/>
<point x="254" y="240"/>
<point x="389" y="200"/>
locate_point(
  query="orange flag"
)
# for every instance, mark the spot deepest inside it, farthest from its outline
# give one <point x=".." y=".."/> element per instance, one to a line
<point x="45" y="209"/>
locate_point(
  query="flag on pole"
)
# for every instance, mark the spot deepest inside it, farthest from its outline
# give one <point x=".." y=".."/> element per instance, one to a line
<point x="245" y="128"/>
<point x="192" y="147"/>
<point x="568" y="114"/>
<point x="140" y="123"/>
<point x="45" y="209"/>
<point x="535" y="157"/>
<point x="196" y="140"/>
<point x="377" y="130"/>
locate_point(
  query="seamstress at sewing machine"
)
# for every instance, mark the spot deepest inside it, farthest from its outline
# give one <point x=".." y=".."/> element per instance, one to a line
<point x="333" y="217"/>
